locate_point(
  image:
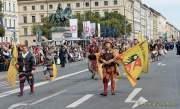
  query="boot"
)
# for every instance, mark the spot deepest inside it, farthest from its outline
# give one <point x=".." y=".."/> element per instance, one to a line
<point x="105" y="82"/>
<point x="21" y="90"/>
<point x="113" y="87"/>
<point x="31" y="89"/>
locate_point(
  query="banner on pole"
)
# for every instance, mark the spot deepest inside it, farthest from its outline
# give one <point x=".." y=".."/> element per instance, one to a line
<point x="74" y="27"/>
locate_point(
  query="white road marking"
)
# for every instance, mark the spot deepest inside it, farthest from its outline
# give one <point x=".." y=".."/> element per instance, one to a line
<point x="36" y="102"/>
<point x="139" y="102"/>
<point x="17" y="105"/>
<point x="161" y="64"/>
<point x="132" y="95"/>
<point x="4" y="94"/>
<point x="80" y="101"/>
<point x="48" y="97"/>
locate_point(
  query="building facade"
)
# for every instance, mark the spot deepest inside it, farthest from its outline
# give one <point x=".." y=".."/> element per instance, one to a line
<point x="32" y="11"/>
<point x="137" y="18"/>
<point x="144" y="20"/>
<point x="161" y="26"/>
<point x="10" y="20"/>
<point x="149" y="23"/>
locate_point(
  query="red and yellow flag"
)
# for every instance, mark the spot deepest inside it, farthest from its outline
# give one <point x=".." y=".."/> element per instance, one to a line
<point x="132" y="61"/>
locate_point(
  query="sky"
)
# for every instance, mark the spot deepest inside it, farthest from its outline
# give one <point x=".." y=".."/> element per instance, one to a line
<point x="168" y="8"/>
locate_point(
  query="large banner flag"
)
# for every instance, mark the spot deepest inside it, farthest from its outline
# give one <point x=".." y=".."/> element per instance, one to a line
<point x="12" y="71"/>
<point x="145" y="51"/>
<point x="74" y="27"/>
<point x="132" y="61"/>
<point x="93" y="29"/>
<point x="99" y="30"/>
<point x="87" y="28"/>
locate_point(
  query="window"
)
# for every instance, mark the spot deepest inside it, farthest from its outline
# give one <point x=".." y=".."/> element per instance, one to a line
<point x="14" y="8"/>
<point x="42" y="16"/>
<point x="115" y="2"/>
<point x="96" y="13"/>
<point x="5" y="6"/>
<point x="10" y="23"/>
<point x="96" y="3"/>
<point x="105" y="3"/>
<point x="33" y="7"/>
<point x="5" y="22"/>
<point x="25" y="31"/>
<point x="33" y="19"/>
<point x="105" y="12"/>
<point x="77" y="4"/>
<point x="9" y="6"/>
<point x="78" y="13"/>
<point x="25" y="8"/>
<point x="42" y="7"/>
<point x="115" y="11"/>
<point x="25" y="19"/>
<point x="69" y="5"/>
<point x="50" y="6"/>
<point x="14" y="23"/>
<point x="87" y="4"/>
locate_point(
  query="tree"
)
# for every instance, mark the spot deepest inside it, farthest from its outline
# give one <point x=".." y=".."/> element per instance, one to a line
<point x="2" y="30"/>
<point x="112" y="24"/>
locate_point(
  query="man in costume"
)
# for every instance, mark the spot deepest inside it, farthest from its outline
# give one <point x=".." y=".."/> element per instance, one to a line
<point x="25" y="66"/>
<point x="107" y="58"/>
<point x="93" y="49"/>
<point x="49" y="60"/>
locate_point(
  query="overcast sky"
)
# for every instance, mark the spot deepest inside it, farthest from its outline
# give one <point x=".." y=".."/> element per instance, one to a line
<point x="169" y="8"/>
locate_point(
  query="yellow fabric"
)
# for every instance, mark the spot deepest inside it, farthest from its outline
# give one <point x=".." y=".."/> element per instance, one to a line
<point x="55" y="72"/>
<point x="132" y="61"/>
<point x="12" y="71"/>
<point x="99" y="65"/>
<point x="145" y="52"/>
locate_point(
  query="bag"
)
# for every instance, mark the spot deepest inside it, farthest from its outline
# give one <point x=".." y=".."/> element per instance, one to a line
<point x="58" y="61"/>
<point x="161" y="52"/>
<point x="165" y="51"/>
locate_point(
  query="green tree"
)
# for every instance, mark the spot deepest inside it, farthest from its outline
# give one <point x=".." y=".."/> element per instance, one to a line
<point x="112" y="20"/>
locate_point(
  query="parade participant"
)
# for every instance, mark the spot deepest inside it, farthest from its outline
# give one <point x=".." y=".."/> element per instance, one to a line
<point x="25" y="66"/>
<point x="178" y="47"/>
<point x="107" y="58"/>
<point x="92" y="49"/>
<point x="49" y="60"/>
<point x="63" y="55"/>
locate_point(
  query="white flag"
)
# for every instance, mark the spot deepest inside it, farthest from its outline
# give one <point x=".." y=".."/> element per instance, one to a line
<point x="87" y="27"/>
<point x="74" y="27"/>
<point x="99" y="30"/>
<point x="93" y="28"/>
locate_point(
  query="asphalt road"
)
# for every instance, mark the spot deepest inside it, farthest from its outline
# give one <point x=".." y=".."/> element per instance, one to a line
<point x="73" y="89"/>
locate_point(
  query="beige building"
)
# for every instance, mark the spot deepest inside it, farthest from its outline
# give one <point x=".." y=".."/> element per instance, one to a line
<point x="32" y="11"/>
<point x="144" y="20"/>
<point x="172" y="32"/>
<point x="137" y="17"/>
